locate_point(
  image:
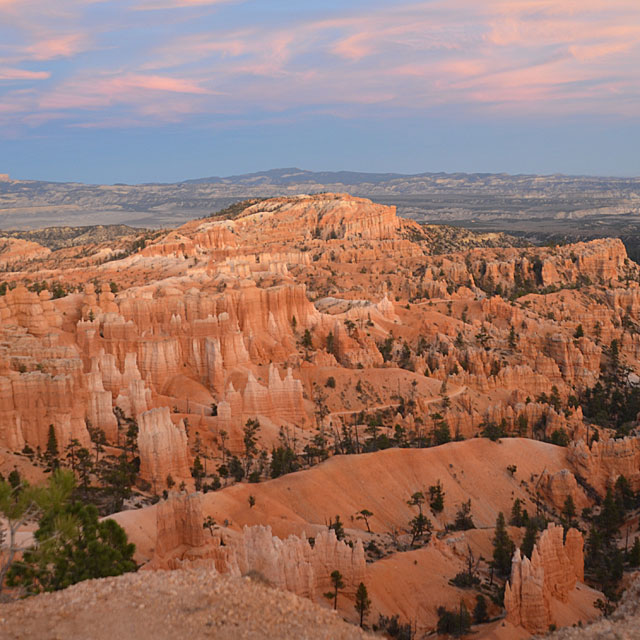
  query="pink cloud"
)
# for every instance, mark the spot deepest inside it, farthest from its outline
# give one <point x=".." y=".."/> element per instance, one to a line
<point x="479" y="55"/>
<point x="153" y="83"/>
<point x="152" y="5"/>
<point x="23" y="74"/>
<point x="56" y="47"/>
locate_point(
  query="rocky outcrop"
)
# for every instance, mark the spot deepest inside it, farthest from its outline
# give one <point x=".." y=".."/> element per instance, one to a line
<point x="552" y="572"/>
<point x="558" y="487"/>
<point x="163" y="450"/>
<point x="327" y="216"/>
<point x="605" y="461"/>
<point x="295" y="564"/>
<point x="179" y="523"/>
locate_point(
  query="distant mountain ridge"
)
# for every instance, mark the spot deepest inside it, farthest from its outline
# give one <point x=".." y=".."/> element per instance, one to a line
<point x="293" y="175"/>
<point x="433" y="197"/>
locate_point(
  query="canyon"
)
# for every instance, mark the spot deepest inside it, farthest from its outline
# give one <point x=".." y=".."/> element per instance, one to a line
<point x="382" y="356"/>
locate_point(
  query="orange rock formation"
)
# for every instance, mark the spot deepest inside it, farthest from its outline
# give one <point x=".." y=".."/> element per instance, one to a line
<point x="552" y="572"/>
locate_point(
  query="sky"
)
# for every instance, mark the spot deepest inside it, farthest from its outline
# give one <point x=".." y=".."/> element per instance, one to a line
<point x="164" y="90"/>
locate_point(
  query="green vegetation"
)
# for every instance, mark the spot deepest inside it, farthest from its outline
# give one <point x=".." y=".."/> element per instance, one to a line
<point x="70" y="544"/>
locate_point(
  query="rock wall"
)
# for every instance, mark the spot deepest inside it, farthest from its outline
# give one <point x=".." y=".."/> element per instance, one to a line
<point x="552" y="572"/>
<point x="606" y="460"/>
<point x="163" y="450"/>
<point x="293" y="564"/>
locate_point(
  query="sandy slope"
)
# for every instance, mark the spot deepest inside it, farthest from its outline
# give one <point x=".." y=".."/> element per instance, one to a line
<point x="381" y="482"/>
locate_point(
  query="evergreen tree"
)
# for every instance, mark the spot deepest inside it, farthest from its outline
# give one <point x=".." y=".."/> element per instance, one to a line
<point x="569" y="511"/>
<point x="117" y="475"/>
<point x="419" y="524"/>
<point x="463" y="520"/>
<point x="365" y="514"/>
<point x="503" y="548"/>
<point x="363" y="603"/>
<point x="609" y="519"/>
<point x="250" y="441"/>
<point x="197" y="472"/>
<point x="516" y="514"/>
<point x="338" y="583"/>
<point x="634" y="554"/>
<point x="624" y="495"/>
<point x="337" y="527"/>
<point x="283" y="461"/>
<point x="51" y="453"/>
<point x="480" y="611"/>
<point x="441" y="430"/>
<point x="209" y="523"/>
<point x="307" y="341"/>
<point x="84" y="468"/>
<point x="436" y="497"/>
<point x="71" y="543"/>
<point x="454" y="623"/>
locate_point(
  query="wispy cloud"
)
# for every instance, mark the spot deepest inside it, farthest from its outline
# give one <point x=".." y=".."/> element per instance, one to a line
<point x="155" y="5"/>
<point x="23" y="74"/>
<point x="233" y="58"/>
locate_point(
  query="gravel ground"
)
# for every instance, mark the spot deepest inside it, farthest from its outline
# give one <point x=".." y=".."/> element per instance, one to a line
<point x="171" y="604"/>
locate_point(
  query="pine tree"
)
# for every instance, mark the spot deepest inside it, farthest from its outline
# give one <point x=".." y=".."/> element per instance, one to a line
<point x="197" y="472"/>
<point x="480" y="610"/>
<point x="52" y="452"/>
<point x="420" y="523"/>
<point x="363" y="603"/>
<point x="72" y="543"/>
<point x="569" y="509"/>
<point x="503" y="548"/>
<point x="307" y="341"/>
<point x="464" y="520"/>
<point x="365" y="514"/>
<point x="609" y="518"/>
<point x="516" y="513"/>
<point x="436" y="497"/>
<point x="338" y="583"/>
<point x="338" y="527"/>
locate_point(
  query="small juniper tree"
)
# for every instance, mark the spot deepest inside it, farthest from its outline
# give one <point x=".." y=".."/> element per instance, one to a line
<point x="365" y="514"/>
<point x="209" y="523"/>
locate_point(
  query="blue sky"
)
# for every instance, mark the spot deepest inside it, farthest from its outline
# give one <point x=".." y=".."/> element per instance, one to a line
<point x="163" y="90"/>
